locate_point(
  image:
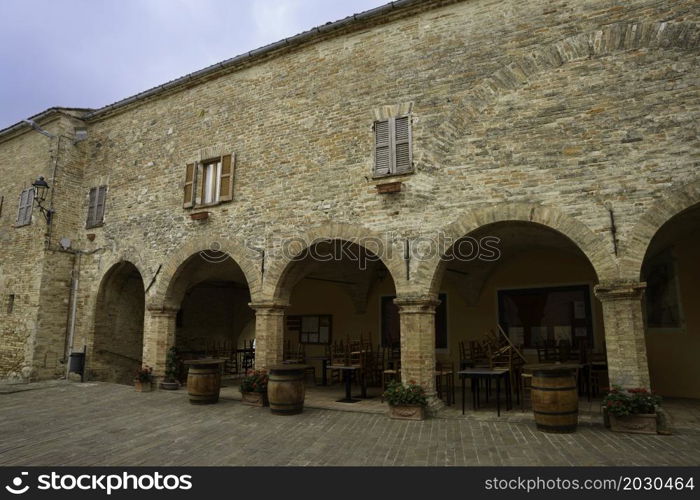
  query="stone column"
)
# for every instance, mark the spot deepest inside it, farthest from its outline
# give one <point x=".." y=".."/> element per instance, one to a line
<point x="417" y="319"/>
<point x="624" y="333"/>
<point x="269" y="333"/>
<point x="158" y="338"/>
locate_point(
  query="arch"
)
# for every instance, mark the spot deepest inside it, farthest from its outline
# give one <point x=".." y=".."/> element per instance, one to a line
<point x="116" y="334"/>
<point x="244" y="257"/>
<point x="672" y="203"/>
<point x="596" y="249"/>
<point x="276" y="276"/>
<point x="523" y="70"/>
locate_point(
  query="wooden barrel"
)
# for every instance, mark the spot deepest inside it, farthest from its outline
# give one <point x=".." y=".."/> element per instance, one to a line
<point x="204" y="382"/>
<point x="285" y="389"/>
<point x="555" y="400"/>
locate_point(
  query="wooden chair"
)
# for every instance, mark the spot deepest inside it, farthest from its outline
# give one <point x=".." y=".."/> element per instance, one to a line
<point x="445" y="382"/>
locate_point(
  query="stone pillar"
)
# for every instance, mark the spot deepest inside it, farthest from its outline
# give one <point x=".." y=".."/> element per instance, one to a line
<point x="158" y="338"/>
<point x="417" y="319"/>
<point x="624" y="333"/>
<point x="269" y="333"/>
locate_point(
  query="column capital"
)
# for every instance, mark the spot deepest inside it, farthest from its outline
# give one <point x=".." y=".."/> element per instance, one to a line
<point x="620" y="290"/>
<point x="417" y="304"/>
<point x="269" y="307"/>
<point x="161" y="311"/>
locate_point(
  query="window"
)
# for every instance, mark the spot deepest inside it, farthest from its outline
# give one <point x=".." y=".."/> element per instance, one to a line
<point x="392" y="146"/>
<point x="209" y="182"/>
<point x="663" y="307"/>
<point x="96" y="207"/>
<point x="2" y="202"/>
<point x="312" y="329"/>
<point x="535" y="317"/>
<point x="26" y="203"/>
<point x="11" y="303"/>
<point x="390" y="323"/>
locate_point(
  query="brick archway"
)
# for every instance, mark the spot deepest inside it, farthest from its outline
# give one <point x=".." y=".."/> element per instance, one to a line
<point x="595" y="248"/>
<point x="664" y="209"/>
<point x="159" y="295"/>
<point x="523" y="70"/>
<point x="277" y="277"/>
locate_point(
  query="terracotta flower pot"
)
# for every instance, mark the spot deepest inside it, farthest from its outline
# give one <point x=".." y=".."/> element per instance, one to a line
<point x="407" y="412"/>
<point x="254" y="398"/>
<point x="143" y="386"/>
<point x="641" y="423"/>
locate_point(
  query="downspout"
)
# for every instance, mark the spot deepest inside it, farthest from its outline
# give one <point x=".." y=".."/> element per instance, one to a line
<point x="75" y="283"/>
<point x="49" y="229"/>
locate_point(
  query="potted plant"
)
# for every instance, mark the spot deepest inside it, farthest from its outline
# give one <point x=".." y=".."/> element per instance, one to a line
<point x="170" y="382"/>
<point x="406" y="402"/>
<point x="144" y="379"/>
<point x="632" y="410"/>
<point x="254" y="388"/>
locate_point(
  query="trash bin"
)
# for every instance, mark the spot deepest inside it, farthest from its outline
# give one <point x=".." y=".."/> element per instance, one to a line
<point x="76" y="363"/>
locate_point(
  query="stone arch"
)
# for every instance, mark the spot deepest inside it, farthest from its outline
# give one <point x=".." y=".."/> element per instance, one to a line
<point x="522" y="70"/>
<point x="664" y="209"/>
<point x="158" y="297"/>
<point x="595" y="248"/>
<point x="115" y="336"/>
<point x="276" y="276"/>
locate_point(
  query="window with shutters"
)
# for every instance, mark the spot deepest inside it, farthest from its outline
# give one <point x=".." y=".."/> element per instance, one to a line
<point x="392" y="146"/>
<point x="26" y="204"/>
<point x="96" y="207"/>
<point x="209" y="182"/>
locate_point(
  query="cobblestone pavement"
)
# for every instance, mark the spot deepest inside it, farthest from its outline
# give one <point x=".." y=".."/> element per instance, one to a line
<point x="106" y="424"/>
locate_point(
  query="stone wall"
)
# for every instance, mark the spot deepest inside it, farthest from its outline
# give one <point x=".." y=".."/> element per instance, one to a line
<point x="551" y="112"/>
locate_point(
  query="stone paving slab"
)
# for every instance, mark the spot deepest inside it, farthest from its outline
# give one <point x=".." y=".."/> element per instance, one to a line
<point x="107" y="424"/>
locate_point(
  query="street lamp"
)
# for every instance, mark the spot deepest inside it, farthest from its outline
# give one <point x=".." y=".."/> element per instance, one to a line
<point x="41" y="187"/>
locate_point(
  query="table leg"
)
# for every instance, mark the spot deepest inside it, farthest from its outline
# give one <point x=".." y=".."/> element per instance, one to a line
<point x="498" y="396"/>
<point x="475" y="392"/>
<point x="509" y="395"/>
<point x="463" y="377"/>
<point x="348" y="389"/>
<point x="324" y="367"/>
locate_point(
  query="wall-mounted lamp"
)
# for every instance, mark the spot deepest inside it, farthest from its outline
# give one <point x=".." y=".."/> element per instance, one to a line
<point x="41" y="188"/>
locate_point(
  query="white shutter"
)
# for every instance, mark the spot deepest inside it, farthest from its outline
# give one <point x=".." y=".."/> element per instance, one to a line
<point x="382" y="147"/>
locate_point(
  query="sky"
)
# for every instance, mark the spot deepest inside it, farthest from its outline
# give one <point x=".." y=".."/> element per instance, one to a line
<point x="90" y="53"/>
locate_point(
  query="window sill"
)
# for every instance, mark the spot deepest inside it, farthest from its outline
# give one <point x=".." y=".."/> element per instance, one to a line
<point x="376" y="179"/>
<point x="96" y="226"/>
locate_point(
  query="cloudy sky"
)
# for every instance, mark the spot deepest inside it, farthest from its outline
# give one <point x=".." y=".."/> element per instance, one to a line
<point x="89" y="53"/>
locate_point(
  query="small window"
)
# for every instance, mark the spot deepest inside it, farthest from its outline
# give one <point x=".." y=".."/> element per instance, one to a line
<point x="209" y="182"/>
<point x="26" y="204"/>
<point x="2" y="202"/>
<point x="312" y="329"/>
<point x="96" y="207"/>
<point x="392" y="146"/>
<point x="11" y="303"/>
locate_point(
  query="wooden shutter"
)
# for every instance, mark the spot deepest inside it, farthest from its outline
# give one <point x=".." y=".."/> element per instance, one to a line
<point x="382" y="147"/>
<point x="402" y="135"/>
<point x="91" y="208"/>
<point x="226" y="179"/>
<point x="190" y="171"/>
<point x="199" y="188"/>
<point x="26" y="200"/>
<point x="100" y="205"/>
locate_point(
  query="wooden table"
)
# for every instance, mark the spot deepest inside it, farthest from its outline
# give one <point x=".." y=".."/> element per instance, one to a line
<point x="347" y="375"/>
<point x="487" y="373"/>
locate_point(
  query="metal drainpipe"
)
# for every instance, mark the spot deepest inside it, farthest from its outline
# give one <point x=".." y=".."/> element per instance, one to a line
<point x="73" y="312"/>
<point x="75" y="282"/>
<point x="49" y="229"/>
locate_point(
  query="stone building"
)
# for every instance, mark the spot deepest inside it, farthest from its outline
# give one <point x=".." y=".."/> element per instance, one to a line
<point x="556" y="140"/>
